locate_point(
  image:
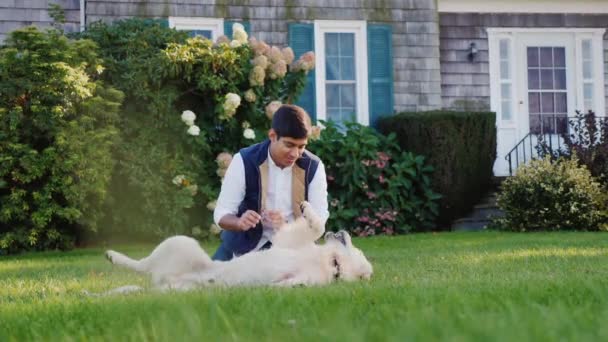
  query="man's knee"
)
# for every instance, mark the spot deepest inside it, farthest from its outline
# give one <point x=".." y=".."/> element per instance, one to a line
<point x="222" y="254"/>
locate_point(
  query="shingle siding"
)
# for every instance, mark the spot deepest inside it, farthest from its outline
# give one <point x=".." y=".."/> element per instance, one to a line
<point x="414" y="24"/>
<point x="464" y="84"/>
<point x="16" y="14"/>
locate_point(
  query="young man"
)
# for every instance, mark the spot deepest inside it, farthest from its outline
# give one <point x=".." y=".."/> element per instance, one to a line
<point x="265" y="184"/>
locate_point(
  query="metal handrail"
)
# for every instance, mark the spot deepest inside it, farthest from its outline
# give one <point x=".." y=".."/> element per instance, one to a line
<point x="540" y="137"/>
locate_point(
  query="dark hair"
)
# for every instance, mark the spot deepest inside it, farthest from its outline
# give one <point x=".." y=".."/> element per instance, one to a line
<point x="291" y="121"/>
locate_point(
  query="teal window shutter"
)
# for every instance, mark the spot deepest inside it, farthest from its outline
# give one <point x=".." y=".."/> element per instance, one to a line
<point x="228" y="27"/>
<point x="301" y="40"/>
<point x="380" y="72"/>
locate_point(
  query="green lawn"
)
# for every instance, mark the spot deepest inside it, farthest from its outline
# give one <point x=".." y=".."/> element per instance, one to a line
<point x="450" y="286"/>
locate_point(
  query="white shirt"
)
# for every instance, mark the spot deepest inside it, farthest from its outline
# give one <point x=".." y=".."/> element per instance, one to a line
<point x="278" y="195"/>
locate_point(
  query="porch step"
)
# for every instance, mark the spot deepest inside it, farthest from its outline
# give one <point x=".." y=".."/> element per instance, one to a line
<point x="483" y="212"/>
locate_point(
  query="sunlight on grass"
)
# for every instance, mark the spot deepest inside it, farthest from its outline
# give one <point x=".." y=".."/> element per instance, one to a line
<point x="485" y="286"/>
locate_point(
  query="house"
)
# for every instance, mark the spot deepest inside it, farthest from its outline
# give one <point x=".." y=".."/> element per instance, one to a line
<point x="532" y="62"/>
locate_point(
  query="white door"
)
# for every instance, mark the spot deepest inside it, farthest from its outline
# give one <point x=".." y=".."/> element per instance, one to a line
<point x="535" y="80"/>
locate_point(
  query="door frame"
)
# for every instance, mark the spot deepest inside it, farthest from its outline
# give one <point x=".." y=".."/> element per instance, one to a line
<point x="509" y="132"/>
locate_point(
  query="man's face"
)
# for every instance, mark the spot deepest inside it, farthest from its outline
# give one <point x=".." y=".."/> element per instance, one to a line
<point x="285" y="150"/>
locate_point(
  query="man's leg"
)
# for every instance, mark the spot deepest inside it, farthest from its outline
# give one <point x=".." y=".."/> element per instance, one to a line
<point x="222" y="253"/>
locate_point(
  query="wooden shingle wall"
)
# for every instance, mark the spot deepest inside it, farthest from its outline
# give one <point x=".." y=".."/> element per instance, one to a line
<point x="417" y="83"/>
<point x="466" y="85"/>
<point x="15" y="14"/>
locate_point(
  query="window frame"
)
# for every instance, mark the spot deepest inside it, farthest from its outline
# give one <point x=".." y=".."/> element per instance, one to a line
<point x="359" y="28"/>
<point x="215" y="25"/>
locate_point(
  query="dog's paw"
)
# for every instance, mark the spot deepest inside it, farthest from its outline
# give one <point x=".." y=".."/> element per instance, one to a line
<point x="110" y="255"/>
<point x="306" y="209"/>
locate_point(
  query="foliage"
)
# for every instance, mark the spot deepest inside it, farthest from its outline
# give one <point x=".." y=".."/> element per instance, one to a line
<point x="166" y="174"/>
<point x="57" y="128"/>
<point x="374" y="187"/>
<point x="587" y="140"/>
<point x="546" y="195"/>
<point x="461" y="147"/>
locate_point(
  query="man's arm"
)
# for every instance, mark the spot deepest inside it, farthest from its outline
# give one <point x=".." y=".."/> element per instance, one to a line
<point x="231" y="196"/>
<point x="317" y="193"/>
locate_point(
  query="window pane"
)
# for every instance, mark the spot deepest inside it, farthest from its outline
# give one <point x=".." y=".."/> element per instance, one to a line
<point x="559" y="57"/>
<point x="546" y="103"/>
<point x="347" y="95"/>
<point x="586" y="49"/>
<point x="561" y="104"/>
<point x="202" y="33"/>
<point x="505" y="91"/>
<point x="588" y="105"/>
<point x="332" y="68"/>
<point x="560" y="78"/>
<point x="546" y="79"/>
<point x="548" y="124"/>
<point x="587" y="69"/>
<point x="504" y="49"/>
<point x="588" y="92"/>
<point x="506" y="110"/>
<point x="533" y="57"/>
<point x="347" y="65"/>
<point x="332" y="46"/>
<point x="333" y="114"/>
<point x="535" y="123"/>
<point x="332" y="96"/>
<point x="546" y="57"/>
<point x="533" y="103"/>
<point x="347" y="44"/>
<point x="504" y="70"/>
<point x="533" y="79"/>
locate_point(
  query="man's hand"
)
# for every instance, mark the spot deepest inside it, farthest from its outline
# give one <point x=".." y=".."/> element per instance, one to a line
<point x="273" y="218"/>
<point x="248" y="220"/>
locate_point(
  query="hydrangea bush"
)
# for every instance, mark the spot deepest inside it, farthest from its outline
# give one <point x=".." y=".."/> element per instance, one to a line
<point x="190" y="104"/>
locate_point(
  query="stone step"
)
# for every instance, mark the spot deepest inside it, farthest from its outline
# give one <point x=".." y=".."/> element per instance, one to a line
<point x="469" y="224"/>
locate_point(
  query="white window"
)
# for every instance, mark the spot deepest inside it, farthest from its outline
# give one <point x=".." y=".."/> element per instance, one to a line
<point x="210" y="28"/>
<point x="341" y="71"/>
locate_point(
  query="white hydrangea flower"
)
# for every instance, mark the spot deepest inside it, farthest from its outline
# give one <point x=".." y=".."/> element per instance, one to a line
<point x="215" y="229"/>
<point x="239" y="34"/>
<point x="188" y="117"/>
<point x="271" y="108"/>
<point x="235" y="44"/>
<point x="233" y="101"/>
<point x="178" y="180"/>
<point x="194" y="130"/>
<point x="211" y="205"/>
<point x="249" y="134"/>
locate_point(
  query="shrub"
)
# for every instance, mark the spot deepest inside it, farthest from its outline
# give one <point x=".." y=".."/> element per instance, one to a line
<point x="588" y="140"/>
<point x="374" y="187"/>
<point x="57" y="128"/>
<point x="166" y="176"/>
<point x="546" y="195"/>
<point x="461" y="147"/>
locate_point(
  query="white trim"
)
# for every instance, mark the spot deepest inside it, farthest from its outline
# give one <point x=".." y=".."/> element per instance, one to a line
<point x="523" y="6"/>
<point x="510" y="30"/>
<point x="359" y="28"/>
<point x="215" y="25"/>
<point x="83" y="23"/>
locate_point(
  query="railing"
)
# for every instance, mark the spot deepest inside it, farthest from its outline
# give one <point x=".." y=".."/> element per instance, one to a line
<point x="528" y="148"/>
<point x="549" y="139"/>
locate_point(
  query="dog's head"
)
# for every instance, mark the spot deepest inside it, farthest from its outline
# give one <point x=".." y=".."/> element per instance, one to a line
<point x="351" y="262"/>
